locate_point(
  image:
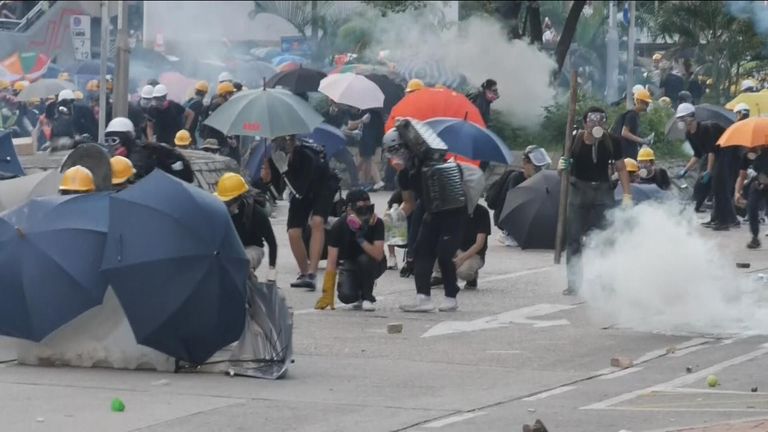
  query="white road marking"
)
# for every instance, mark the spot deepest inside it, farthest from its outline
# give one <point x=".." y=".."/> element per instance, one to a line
<point x="454" y="419"/>
<point x="678" y="382"/>
<point x="504" y="352"/>
<point x="549" y="393"/>
<point x="505" y="319"/>
<point x="620" y="373"/>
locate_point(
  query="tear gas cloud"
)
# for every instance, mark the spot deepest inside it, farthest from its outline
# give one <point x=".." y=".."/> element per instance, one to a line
<point x="652" y="271"/>
<point x="479" y="49"/>
<point x="757" y="12"/>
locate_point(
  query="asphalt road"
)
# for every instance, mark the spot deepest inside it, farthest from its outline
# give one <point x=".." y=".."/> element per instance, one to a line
<point x="516" y="350"/>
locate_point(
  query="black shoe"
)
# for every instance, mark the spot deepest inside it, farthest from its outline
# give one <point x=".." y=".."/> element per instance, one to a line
<point x="708" y="224"/>
<point x="736" y="224"/>
<point x="299" y="280"/>
<point x="569" y="291"/>
<point x="435" y="281"/>
<point x="754" y="243"/>
<point x="307" y="282"/>
<point x="721" y="227"/>
<point x="471" y="285"/>
<point x="407" y="270"/>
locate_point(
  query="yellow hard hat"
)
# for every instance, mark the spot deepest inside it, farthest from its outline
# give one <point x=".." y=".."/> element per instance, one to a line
<point x="414" y="84"/>
<point x="202" y="86"/>
<point x="225" y="87"/>
<point x="665" y="101"/>
<point x="20" y="85"/>
<point x="183" y="138"/>
<point x="643" y="95"/>
<point x="64" y="76"/>
<point x="79" y="95"/>
<point x="230" y="186"/>
<point x="122" y="169"/>
<point x="77" y="179"/>
<point x="631" y="165"/>
<point x="710" y="82"/>
<point x="440" y="86"/>
<point x="645" y="154"/>
<point x="92" y="86"/>
<point x="34" y="101"/>
<point x="657" y="57"/>
<point x="4" y="85"/>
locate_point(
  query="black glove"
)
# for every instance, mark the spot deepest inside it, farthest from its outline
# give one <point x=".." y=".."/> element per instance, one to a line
<point x="407" y="269"/>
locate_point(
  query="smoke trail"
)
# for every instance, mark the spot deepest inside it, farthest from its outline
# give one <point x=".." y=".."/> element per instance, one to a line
<point x="757" y="12"/>
<point x="652" y="271"/>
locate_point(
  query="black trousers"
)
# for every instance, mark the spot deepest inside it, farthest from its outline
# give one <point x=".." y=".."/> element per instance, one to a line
<point x="588" y="204"/>
<point x="723" y="185"/>
<point x="439" y="237"/>
<point x="414" y="225"/>
<point x="757" y="197"/>
<point x="357" y="278"/>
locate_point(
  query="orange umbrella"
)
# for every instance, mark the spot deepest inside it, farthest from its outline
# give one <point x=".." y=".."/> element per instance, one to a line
<point x="430" y="103"/>
<point x="752" y="132"/>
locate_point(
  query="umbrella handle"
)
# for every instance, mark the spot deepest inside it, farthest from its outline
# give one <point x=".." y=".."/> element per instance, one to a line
<point x="120" y="248"/>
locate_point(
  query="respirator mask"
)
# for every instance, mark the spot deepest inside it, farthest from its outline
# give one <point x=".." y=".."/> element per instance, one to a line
<point x="595" y="124"/>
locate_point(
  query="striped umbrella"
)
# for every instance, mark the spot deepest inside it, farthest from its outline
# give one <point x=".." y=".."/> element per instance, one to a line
<point x="368" y="69"/>
<point x="29" y="66"/>
<point x="431" y="72"/>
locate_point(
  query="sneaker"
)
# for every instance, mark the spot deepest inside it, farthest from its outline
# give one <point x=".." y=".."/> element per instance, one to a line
<point x="708" y="224"/>
<point x="721" y="227"/>
<point x="378" y="186"/>
<point x="392" y="263"/>
<point x="306" y="281"/>
<point x="423" y="304"/>
<point x="471" y="284"/>
<point x="507" y="240"/>
<point x="368" y="306"/>
<point x="436" y="281"/>
<point x="299" y="280"/>
<point x="569" y="291"/>
<point x="449" y="305"/>
<point x="754" y="244"/>
<point x="358" y="305"/>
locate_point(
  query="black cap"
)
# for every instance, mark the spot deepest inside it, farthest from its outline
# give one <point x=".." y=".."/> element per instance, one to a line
<point x="357" y="195"/>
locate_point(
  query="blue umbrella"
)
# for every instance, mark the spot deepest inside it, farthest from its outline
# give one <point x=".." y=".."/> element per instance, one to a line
<point x="288" y="58"/>
<point x="331" y="138"/>
<point x="50" y="253"/>
<point x="177" y="266"/>
<point x="642" y="192"/>
<point x="471" y="141"/>
<point x="9" y="162"/>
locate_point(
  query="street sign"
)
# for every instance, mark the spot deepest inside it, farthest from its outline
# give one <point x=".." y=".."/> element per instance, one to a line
<point x="296" y="45"/>
<point x="80" y="28"/>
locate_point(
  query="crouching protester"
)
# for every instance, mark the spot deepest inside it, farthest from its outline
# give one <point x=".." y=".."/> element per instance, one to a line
<point x="591" y="192"/>
<point x="250" y="220"/>
<point x="470" y="257"/>
<point x="356" y="252"/>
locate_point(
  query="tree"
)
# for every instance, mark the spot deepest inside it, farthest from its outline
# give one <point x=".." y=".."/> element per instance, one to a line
<point x="386" y="7"/>
<point x="569" y="30"/>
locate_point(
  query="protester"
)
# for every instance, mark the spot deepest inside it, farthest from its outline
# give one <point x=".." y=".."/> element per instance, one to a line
<point x="672" y="83"/>
<point x="488" y="94"/>
<point x="648" y="172"/>
<point x="76" y="181"/>
<point x="470" y="257"/>
<point x="628" y="125"/>
<point x="414" y="84"/>
<point x="197" y="106"/>
<point x="591" y="191"/>
<point x="210" y="146"/>
<point x="182" y="139"/>
<point x="337" y="117"/>
<point x="742" y="111"/>
<point x="250" y="220"/>
<point x="122" y="172"/>
<point x="169" y="116"/>
<point x="226" y="77"/>
<point x="749" y="86"/>
<point x="632" y="169"/>
<point x="224" y="91"/>
<point x="754" y="160"/>
<point x="371" y="127"/>
<point x="356" y="249"/>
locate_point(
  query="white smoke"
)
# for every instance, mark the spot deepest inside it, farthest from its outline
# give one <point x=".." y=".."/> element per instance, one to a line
<point x="757" y="12"/>
<point x="652" y="271"/>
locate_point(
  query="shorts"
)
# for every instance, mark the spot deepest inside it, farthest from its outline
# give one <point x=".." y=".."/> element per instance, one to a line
<point x="317" y="204"/>
<point x="367" y="150"/>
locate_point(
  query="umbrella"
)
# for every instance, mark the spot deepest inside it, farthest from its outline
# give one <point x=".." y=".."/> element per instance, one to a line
<point x="752" y="132"/>
<point x="17" y="191"/>
<point x="9" y="162"/>
<point x="288" y="58"/>
<point x="431" y="72"/>
<point x="44" y="88"/>
<point x="530" y="211"/>
<point x="430" y="103"/>
<point x="267" y="53"/>
<point x="331" y="138"/>
<point x="353" y="90"/>
<point x="29" y="65"/>
<point x="253" y="73"/>
<point x="641" y="192"/>
<point x="393" y="91"/>
<point x="301" y="80"/>
<point x="90" y="68"/>
<point x="177" y="266"/>
<point x="52" y="71"/>
<point x="50" y="252"/>
<point x="470" y="140"/>
<point x="704" y="112"/>
<point x="368" y="69"/>
<point x="266" y="113"/>
<point x="758" y="103"/>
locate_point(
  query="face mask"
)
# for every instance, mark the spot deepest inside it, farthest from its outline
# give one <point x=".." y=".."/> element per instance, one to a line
<point x="597" y="132"/>
<point x="751" y="155"/>
<point x="681" y="125"/>
<point x="145" y="103"/>
<point x="353" y="223"/>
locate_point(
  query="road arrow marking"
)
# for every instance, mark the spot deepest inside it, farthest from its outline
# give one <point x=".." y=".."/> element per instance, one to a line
<point x="517" y="316"/>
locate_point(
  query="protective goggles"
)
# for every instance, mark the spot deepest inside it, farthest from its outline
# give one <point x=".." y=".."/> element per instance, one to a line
<point x="112" y="140"/>
<point x="596" y="118"/>
<point x="364" y="209"/>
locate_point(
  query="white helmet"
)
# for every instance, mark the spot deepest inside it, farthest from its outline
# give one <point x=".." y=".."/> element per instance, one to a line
<point x="159" y="91"/>
<point x="66" y="94"/>
<point x="146" y="92"/>
<point x="637" y="88"/>
<point x="120" y="124"/>
<point x="747" y="84"/>
<point x="391" y="139"/>
<point x="226" y="76"/>
<point x="741" y="107"/>
<point x="685" y="109"/>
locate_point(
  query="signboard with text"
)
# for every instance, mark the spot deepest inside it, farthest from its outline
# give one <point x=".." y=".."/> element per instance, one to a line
<point x="80" y="28"/>
<point x="296" y="45"/>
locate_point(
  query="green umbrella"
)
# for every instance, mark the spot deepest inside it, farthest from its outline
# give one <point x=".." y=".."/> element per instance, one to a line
<point x="267" y="113"/>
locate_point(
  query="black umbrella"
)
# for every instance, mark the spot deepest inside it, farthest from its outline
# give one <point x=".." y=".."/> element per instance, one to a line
<point x="393" y="91"/>
<point x="301" y="80"/>
<point x="530" y="211"/>
<point x="704" y="112"/>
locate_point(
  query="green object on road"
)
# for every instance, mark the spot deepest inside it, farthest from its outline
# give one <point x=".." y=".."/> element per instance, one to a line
<point x="712" y="381"/>
<point x="117" y="405"/>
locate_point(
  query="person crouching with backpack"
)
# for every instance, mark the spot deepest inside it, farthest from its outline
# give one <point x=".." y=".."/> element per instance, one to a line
<point x="591" y="192"/>
<point x="356" y="249"/>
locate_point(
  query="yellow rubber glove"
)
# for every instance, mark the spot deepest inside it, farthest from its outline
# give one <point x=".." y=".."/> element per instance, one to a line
<point x="327" y="299"/>
<point x="626" y="201"/>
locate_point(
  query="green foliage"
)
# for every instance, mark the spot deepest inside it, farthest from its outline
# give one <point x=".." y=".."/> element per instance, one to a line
<point x="353" y="37"/>
<point x="387" y="7"/>
<point x="655" y="121"/>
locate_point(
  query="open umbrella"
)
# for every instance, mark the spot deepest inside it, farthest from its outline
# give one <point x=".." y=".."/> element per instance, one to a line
<point x="393" y="91"/>
<point x="177" y="266"/>
<point x="330" y="137"/>
<point x="430" y="103"/>
<point x="90" y="68"/>
<point x="641" y="192"/>
<point x="470" y="140"/>
<point x="29" y="65"/>
<point x="267" y="53"/>
<point x="353" y="90"/>
<point x="50" y="252"/>
<point x="17" y="191"/>
<point x="266" y="113"/>
<point x="252" y="74"/>
<point x="704" y="112"/>
<point x="368" y="69"/>
<point x="758" y="103"/>
<point x="288" y="58"/>
<point x="752" y="132"/>
<point x="530" y="211"/>
<point x="9" y="162"/>
<point x="44" y="88"/>
<point x="432" y="72"/>
<point x="301" y="80"/>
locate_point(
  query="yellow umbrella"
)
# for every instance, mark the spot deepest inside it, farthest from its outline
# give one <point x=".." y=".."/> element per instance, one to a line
<point x="758" y="103"/>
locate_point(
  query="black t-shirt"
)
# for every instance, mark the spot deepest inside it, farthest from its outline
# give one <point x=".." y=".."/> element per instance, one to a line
<point x="373" y="131"/>
<point x="704" y="139"/>
<point x="672" y="85"/>
<point x="168" y="120"/>
<point x="196" y="106"/>
<point x="631" y="122"/>
<point x="479" y="223"/>
<point x="343" y="238"/>
<point x="307" y="172"/>
<point x="408" y="180"/>
<point x="759" y="163"/>
<point x="584" y="156"/>
<point x="255" y="229"/>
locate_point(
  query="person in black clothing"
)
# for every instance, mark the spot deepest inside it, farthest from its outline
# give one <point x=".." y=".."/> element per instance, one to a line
<point x="488" y="94"/>
<point x="356" y="248"/>
<point x="470" y="257"/>
<point x="338" y="118"/>
<point x="630" y="125"/>
<point x="672" y="84"/>
<point x="591" y="190"/>
<point x="757" y="189"/>
<point x="70" y="119"/>
<point x="313" y="185"/>
<point x="702" y="136"/>
<point x="169" y="116"/>
<point x="196" y="105"/>
<point x="648" y="172"/>
<point x="224" y="91"/>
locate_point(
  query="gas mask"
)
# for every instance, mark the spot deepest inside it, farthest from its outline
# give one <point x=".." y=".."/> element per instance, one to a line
<point x="595" y="124"/>
<point x="64" y="108"/>
<point x="145" y="103"/>
<point x="158" y="102"/>
<point x="683" y="122"/>
<point x="364" y="213"/>
<point x="751" y="155"/>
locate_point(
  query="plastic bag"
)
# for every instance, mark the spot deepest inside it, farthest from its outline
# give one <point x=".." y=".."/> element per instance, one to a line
<point x="395" y="227"/>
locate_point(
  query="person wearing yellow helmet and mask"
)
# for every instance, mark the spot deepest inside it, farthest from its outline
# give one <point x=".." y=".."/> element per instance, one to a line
<point x="77" y="180"/>
<point x="122" y="172"/>
<point x="197" y="106"/>
<point x="648" y="172"/>
<point x="627" y="126"/>
<point x="632" y="169"/>
<point x="224" y="91"/>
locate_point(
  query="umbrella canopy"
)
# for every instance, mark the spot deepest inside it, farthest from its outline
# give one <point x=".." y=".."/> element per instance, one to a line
<point x="758" y="103"/>
<point x="17" y="191"/>
<point x="267" y="53"/>
<point x="704" y="112"/>
<point x="90" y="68"/>
<point x="432" y="72"/>
<point x="752" y="132"/>
<point x="330" y="137"/>
<point x="29" y="65"/>
<point x="266" y="113"/>
<point x="353" y="90"/>
<point x="252" y="74"/>
<point x="530" y="211"/>
<point x="44" y="88"/>
<point x="368" y="69"/>
<point x="470" y="140"/>
<point x="177" y="266"/>
<point x="9" y="162"/>
<point x="301" y="80"/>
<point x="393" y="91"/>
<point x="642" y="192"/>
<point x="50" y="252"/>
<point x="288" y="58"/>
<point x="430" y="103"/>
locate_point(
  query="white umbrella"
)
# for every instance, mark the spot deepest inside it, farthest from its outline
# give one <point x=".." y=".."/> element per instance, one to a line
<point x="353" y="90"/>
<point x="17" y="191"/>
<point x="44" y="88"/>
